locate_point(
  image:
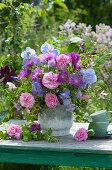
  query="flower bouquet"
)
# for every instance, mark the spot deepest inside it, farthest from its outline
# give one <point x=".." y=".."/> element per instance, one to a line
<point x="52" y="86"/>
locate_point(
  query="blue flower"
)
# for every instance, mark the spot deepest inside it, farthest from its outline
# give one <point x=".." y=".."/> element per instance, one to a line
<point x="65" y="94"/>
<point x="37" y="89"/>
<point x="66" y="102"/>
<point x="46" y="48"/>
<point x="28" y="54"/>
<point x="89" y="77"/>
<point x="78" y="94"/>
<point x="71" y="108"/>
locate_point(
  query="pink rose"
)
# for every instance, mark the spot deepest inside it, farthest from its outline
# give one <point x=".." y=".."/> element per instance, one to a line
<point x="50" y="80"/>
<point x="62" y="60"/>
<point x="15" y="131"/>
<point x="27" y="100"/>
<point x="81" y="135"/>
<point x="51" y="100"/>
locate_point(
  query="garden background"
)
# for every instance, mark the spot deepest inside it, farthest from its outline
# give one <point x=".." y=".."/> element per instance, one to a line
<point x="25" y="23"/>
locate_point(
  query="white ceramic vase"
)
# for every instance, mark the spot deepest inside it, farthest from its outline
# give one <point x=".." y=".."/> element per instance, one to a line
<point x="58" y="119"/>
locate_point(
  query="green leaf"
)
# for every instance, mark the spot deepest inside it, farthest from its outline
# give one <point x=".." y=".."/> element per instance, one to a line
<point x="3" y="115"/>
<point x="90" y="133"/>
<point x="61" y="4"/>
<point x="92" y="125"/>
<point x="73" y="47"/>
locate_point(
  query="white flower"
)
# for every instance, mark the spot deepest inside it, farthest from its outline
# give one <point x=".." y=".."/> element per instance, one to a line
<point x="11" y="86"/>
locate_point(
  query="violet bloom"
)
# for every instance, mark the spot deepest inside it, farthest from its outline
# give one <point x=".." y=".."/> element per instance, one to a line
<point x="23" y="73"/>
<point x="63" y="76"/>
<point x="6" y="74"/>
<point x="35" y="75"/>
<point x="75" y="60"/>
<point x="35" y="127"/>
<point x="76" y="80"/>
<point x="29" y="63"/>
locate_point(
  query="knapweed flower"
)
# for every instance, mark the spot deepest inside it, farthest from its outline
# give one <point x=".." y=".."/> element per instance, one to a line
<point x="76" y="80"/>
<point x="35" y="127"/>
<point x="62" y="61"/>
<point x="28" y="54"/>
<point x="51" y="100"/>
<point x="36" y="74"/>
<point x="11" y="86"/>
<point x="50" y="80"/>
<point x="6" y="74"/>
<point x="37" y="89"/>
<point x="27" y="100"/>
<point x="81" y="135"/>
<point x="63" y="76"/>
<point x="89" y="77"/>
<point x="14" y="131"/>
<point x="23" y="73"/>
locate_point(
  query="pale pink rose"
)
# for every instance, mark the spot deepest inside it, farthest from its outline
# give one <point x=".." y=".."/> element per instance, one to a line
<point x="51" y="100"/>
<point x="81" y="135"/>
<point x="27" y="100"/>
<point x="15" y="131"/>
<point x="50" y="80"/>
<point x="62" y="61"/>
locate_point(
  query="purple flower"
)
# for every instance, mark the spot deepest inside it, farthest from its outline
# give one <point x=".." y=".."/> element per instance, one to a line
<point x="74" y="57"/>
<point x="29" y="63"/>
<point x="6" y="74"/>
<point x="76" y="80"/>
<point x="36" y="74"/>
<point x="23" y="73"/>
<point x="63" y="76"/>
<point x="89" y="77"/>
<point x="37" y="89"/>
<point x="35" y="127"/>
<point x="75" y="60"/>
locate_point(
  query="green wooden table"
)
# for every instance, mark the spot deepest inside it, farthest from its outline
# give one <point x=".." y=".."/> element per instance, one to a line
<point x="67" y="152"/>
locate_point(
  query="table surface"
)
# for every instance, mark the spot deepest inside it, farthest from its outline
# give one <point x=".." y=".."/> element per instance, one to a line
<point x="67" y="152"/>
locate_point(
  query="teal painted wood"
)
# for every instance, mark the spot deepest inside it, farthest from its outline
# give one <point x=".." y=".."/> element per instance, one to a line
<point x="67" y="152"/>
